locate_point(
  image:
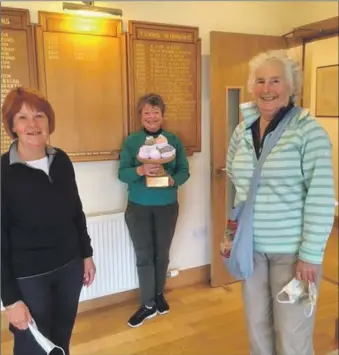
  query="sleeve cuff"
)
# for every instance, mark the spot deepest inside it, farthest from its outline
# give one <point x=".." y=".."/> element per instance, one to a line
<point x="311" y="256"/>
<point x="10" y="297"/>
<point x="87" y="252"/>
<point x="135" y="176"/>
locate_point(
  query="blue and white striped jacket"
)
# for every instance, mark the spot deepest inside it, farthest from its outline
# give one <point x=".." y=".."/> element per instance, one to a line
<point x="294" y="206"/>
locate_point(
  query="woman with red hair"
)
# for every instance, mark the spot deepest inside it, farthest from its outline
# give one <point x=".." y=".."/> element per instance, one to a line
<point x="46" y="253"/>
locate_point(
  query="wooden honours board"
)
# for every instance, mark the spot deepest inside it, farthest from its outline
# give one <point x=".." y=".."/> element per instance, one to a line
<point x="165" y="59"/>
<point x="82" y="71"/>
<point x="17" y="57"/>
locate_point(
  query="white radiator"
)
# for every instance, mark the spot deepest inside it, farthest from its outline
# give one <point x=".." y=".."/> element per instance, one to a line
<point x="114" y="256"/>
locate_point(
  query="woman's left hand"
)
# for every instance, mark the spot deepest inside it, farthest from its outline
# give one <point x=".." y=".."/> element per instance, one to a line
<point x="89" y="271"/>
<point x="306" y="271"/>
<point x="171" y="181"/>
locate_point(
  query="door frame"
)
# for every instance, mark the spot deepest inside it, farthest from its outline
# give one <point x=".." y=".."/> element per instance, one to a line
<point x="229" y="56"/>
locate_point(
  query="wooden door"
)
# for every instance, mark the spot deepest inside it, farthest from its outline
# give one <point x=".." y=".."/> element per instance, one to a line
<point x="229" y="57"/>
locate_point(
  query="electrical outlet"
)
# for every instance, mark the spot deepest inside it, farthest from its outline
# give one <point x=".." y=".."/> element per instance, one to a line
<point x="172" y="273"/>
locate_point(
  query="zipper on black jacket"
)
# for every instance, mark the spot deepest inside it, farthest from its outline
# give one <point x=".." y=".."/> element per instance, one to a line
<point x="48" y="176"/>
<point x="31" y="167"/>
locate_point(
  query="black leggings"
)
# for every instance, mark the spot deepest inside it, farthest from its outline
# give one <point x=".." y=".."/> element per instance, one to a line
<point x="52" y="299"/>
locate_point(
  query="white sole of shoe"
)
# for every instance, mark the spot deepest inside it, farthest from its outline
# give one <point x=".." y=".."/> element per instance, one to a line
<point x="138" y="325"/>
<point x="162" y="313"/>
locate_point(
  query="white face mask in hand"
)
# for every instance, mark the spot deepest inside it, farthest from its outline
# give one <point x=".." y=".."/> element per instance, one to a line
<point x="296" y="291"/>
<point x="45" y="343"/>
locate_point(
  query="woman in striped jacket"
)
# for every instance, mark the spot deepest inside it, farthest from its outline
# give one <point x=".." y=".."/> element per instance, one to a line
<point x="294" y="205"/>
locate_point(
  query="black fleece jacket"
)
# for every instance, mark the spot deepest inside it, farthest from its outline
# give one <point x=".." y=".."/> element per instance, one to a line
<point x="42" y="222"/>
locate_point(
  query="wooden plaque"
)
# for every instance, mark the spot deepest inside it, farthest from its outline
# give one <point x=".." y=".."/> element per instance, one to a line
<point x="82" y="71"/>
<point x="166" y="60"/>
<point x="17" y="57"/>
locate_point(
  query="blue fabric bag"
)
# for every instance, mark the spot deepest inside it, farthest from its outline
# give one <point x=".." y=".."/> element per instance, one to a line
<point x="240" y="262"/>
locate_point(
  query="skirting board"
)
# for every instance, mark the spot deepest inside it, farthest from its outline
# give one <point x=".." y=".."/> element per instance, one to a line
<point x="188" y="277"/>
<point x="185" y="278"/>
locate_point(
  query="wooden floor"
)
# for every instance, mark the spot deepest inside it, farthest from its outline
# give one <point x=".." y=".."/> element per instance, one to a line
<point x="202" y="321"/>
<point x="331" y="264"/>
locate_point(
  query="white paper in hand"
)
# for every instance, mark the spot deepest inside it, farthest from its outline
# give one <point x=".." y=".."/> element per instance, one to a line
<point x="45" y="343"/>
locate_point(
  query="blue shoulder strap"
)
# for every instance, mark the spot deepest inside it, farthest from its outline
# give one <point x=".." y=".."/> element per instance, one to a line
<point x="271" y="141"/>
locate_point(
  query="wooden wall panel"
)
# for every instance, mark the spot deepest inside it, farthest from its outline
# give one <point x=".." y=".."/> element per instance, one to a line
<point x="166" y="60"/>
<point x="82" y="70"/>
<point x="17" y="56"/>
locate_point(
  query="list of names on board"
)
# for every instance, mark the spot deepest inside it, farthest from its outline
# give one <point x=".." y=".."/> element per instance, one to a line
<point x="83" y="71"/>
<point x="166" y="60"/>
<point x="16" y="57"/>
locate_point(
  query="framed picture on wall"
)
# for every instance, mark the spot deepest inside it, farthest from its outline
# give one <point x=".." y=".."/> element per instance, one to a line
<point x="326" y="104"/>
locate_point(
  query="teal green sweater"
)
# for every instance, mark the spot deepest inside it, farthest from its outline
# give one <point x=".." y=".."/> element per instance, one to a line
<point x="138" y="192"/>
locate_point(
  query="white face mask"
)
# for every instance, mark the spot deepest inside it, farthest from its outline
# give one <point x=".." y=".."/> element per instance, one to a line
<point x="45" y="343"/>
<point x="297" y="290"/>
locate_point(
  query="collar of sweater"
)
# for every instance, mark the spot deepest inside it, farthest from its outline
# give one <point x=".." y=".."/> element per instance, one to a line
<point x="251" y="113"/>
<point x="14" y="157"/>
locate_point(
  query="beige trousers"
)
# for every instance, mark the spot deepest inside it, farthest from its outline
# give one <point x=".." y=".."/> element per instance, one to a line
<point x="275" y="328"/>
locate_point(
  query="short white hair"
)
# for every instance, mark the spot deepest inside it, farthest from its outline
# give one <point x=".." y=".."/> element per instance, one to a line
<point x="293" y="71"/>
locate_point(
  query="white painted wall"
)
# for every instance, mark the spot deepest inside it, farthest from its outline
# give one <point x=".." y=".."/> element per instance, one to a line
<point x="98" y="185"/>
<point x="304" y="12"/>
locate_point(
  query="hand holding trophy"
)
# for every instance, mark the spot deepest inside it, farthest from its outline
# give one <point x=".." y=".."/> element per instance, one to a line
<point x="154" y="153"/>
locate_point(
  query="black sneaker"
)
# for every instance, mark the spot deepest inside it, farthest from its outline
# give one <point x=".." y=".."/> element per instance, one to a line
<point x="141" y="315"/>
<point x="161" y="304"/>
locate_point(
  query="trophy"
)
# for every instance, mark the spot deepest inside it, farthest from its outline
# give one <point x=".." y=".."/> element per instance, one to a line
<point x="157" y="151"/>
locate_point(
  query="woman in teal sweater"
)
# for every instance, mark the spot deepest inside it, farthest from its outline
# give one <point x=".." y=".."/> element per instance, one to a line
<point x="152" y="212"/>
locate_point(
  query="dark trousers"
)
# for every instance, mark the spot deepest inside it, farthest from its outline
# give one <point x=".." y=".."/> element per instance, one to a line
<point x="151" y="229"/>
<point x="53" y="300"/>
